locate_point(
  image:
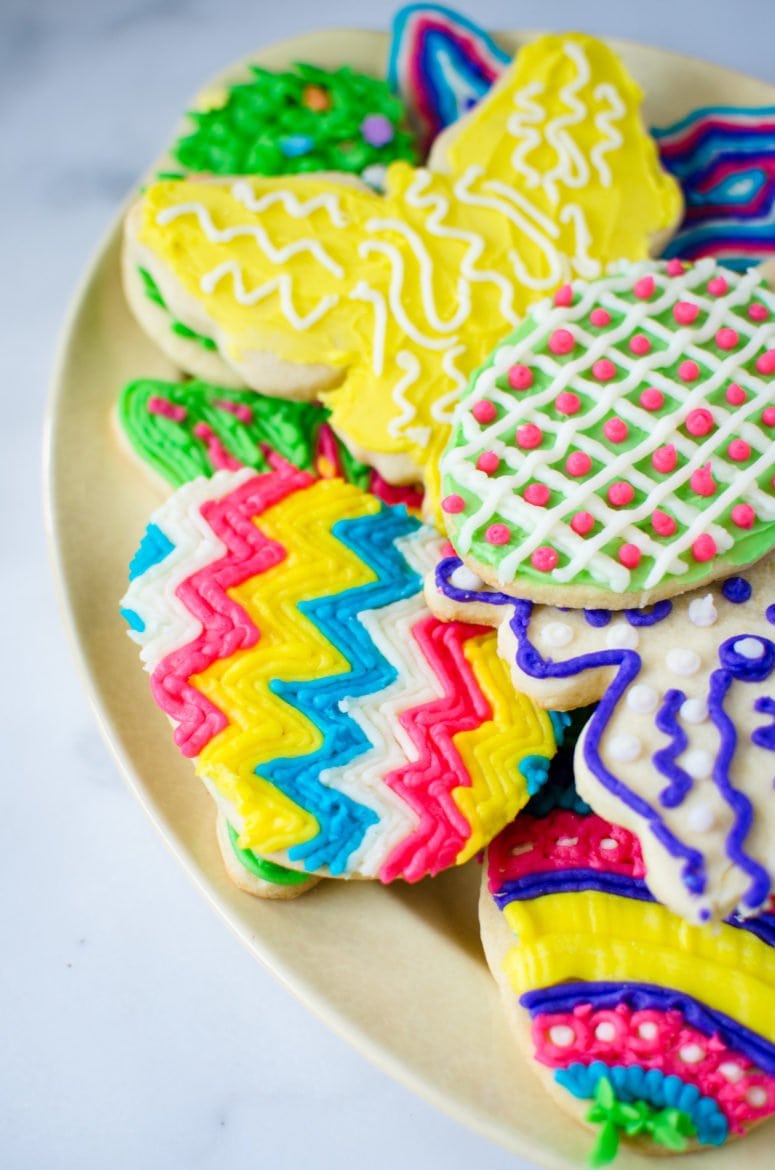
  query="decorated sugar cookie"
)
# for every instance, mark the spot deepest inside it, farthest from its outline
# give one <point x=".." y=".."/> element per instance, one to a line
<point x="294" y="122"/>
<point x="383" y="305"/>
<point x="441" y="64"/>
<point x="184" y="429"/>
<point x="649" y="1030"/>
<point x="680" y="749"/>
<point x="341" y="728"/>
<point x="619" y="447"/>
<point x="724" y="159"/>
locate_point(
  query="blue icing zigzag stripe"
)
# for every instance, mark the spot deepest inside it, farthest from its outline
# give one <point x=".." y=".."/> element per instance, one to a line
<point x="343" y="821"/>
<point x="154" y="547"/>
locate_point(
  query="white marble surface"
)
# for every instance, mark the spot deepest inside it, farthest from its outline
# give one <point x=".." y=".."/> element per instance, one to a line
<point x="134" y="1030"/>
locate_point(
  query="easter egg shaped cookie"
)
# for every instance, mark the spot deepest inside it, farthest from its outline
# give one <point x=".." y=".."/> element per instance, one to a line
<point x="342" y="729"/>
<point x="618" y="448"/>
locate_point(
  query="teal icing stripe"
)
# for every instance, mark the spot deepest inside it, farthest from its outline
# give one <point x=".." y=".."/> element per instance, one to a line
<point x="154" y="547"/>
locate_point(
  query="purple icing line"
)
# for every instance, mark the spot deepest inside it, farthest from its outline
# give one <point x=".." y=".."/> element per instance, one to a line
<point x="571" y="881"/>
<point x="680" y="782"/>
<point x="563" y="997"/>
<point x="765" y="736"/>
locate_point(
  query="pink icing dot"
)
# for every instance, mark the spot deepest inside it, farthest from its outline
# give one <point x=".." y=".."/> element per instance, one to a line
<point x="652" y="399"/>
<point x="529" y="436"/>
<point x="702" y="481"/>
<point x="674" y="267"/>
<point x="758" y="312"/>
<point x="544" y="558"/>
<point x="685" y="312"/>
<point x="448" y="549"/>
<point x="704" y="548"/>
<point x="644" y="288"/>
<point x="600" y="317"/>
<point x="688" y="371"/>
<point x="497" y="534"/>
<point x="743" y="516"/>
<point x="735" y="394"/>
<point x="561" y="341"/>
<point x="615" y="430"/>
<point x="765" y="363"/>
<point x="577" y="464"/>
<point x="484" y="411"/>
<point x="564" y="296"/>
<point x="768" y="416"/>
<point x="582" y="523"/>
<point x="537" y="494"/>
<point x="699" y="422"/>
<point x="567" y="402"/>
<point x="664" y="458"/>
<point x="640" y="345"/>
<point x="452" y="504"/>
<point x="520" y="377"/>
<point x="488" y="462"/>
<point x="663" y="524"/>
<point x="717" y="286"/>
<point x="604" y="370"/>
<point x="738" y="450"/>
<point x="620" y="494"/>
<point x="629" y="555"/>
<point x="727" y="338"/>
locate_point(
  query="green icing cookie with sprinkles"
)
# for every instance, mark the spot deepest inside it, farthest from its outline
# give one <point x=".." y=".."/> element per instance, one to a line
<point x="181" y="430"/>
<point x="619" y="447"/>
<point x="303" y="120"/>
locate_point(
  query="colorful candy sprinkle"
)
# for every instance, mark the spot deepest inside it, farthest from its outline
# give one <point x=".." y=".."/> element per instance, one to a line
<point x="629" y="556"/>
<point x="520" y="377"/>
<point x="718" y="286"/>
<point x="529" y="436"/>
<point x="497" y="534"/>
<point x="652" y="399"/>
<point x="685" y="312"/>
<point x="615" y="430"/>
<point x="453" y="504"/>
<point x="582" y="523"/>
<point x="544" y="558"/>
<point x="702" y="481"/>
<point x="488" y="462"/>
<point x="743" y="516"/>
<point x="735" y="395"/>
<point x="567" y="402"/>
<point x="561" y="341"/>
<point x="620" y="494"/>
<point x="663" y="524"/>
<point x="738" y="450"/>
<point x="727" y="338"/>
<point x="578" y="463"/>
<point x="563" y="298"/>
<point x="765" y="363"/>
<point x="704" y="548"/>
<point x="644" y="288"/>
<point x="664" y="458"/>
<point x="537" y="494"/>
<point x="699" y="422"/>
<point x="484" y="411"/>
<point x="688" y="371"/>
<point x="640" y="345"/>
<point x="600" y="318"/>
<point x="604" y="370"/>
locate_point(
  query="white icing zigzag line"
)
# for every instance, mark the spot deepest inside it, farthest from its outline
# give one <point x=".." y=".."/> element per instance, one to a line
<point x="282" y="284"/>
<point x="612" y="138"/>
<point x="255" y="231"/>
<point x="571" y="167"/>
<point x="529" y="113"/>
<point x="295" y="207"/>
<point x="364" y="292"/>
<point x="409" y="363"/>
<point x="442" y="410"/>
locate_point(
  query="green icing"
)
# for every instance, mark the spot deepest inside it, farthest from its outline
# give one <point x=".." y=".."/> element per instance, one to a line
<point x="667" y="1127"/>
<point x="153" y="292"/>
<point x="270" y="126"/>
<point x="192" y="335"/>
<point x="160" y="419"/>
<point x="268" y="871"/>
<point x="151" y="288"/>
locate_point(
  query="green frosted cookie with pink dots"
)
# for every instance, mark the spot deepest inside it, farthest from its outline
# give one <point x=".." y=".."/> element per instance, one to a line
<point x="619" y="447"/>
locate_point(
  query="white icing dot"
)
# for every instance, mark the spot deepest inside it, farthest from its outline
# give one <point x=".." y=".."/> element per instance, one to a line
<point x="624" y="748"/>
<point x="691" y="1053"/>
<point x="756" y="1096"/>
<point x="749" y="648"/>
<point x="621" y="636"/>
<point x="375" y="176"/>
<point x="518" y="850"/>
<point x="642" y="699"/>
<point x="561" y="1035"/>
<point x="694" y="711"/>
<point x="698" y="763"/>
<point x="702" y="611"/>
<point x="608" y="843"/>
<point x="605" y="1031"/>
<point x="683" y="662"/>
<point x="701" y="818"/>
<point x="463" y="578"/>
<point x="567" y="841"/>
<point x="730" y="1071"/>
<point x="557" y="634"/>
<point x="647" y="1030"/>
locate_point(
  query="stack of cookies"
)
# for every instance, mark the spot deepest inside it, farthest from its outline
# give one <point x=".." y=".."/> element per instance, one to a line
<point x="470" y="542"/>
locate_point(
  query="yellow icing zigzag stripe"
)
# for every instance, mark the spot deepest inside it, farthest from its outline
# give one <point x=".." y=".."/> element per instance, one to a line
<point x="493" y="752"/>
<point x="592" y="936"/>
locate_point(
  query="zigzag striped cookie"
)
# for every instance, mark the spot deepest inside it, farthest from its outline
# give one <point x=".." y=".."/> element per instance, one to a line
<point x="342" y="729"/>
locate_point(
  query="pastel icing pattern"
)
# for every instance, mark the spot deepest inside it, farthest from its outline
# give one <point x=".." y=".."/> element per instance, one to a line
<point x="185" y="429"/>
<point x="293" y="122"/>
<point x="724" y="159"/>
<point x="406" y="293"/>
<point x="621" y="440"/>
<point x="680" y="749"/>
<point x="666" y="1030"/>
<point x="441" y="64"/>
<point x="342" y="729"/>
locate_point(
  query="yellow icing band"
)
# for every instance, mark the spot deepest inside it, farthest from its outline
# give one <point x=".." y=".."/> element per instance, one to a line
<point x="593" y="936"/>
<point x="261" y="724"/>
<point x="493" y="751"/>
<point x="551" y="177"/>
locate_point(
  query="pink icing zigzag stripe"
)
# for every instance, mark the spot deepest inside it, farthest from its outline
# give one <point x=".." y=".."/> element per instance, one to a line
<point x="226" y="627"/>
<point x="662" y="1040"/>
<point x="426" y="785"/>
